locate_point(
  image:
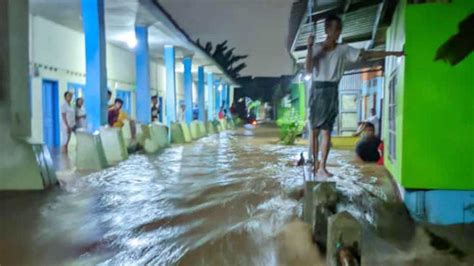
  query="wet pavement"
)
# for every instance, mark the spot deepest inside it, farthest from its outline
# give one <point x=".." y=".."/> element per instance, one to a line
<point x="227" y="199"/>
<point x="218" y="201"/>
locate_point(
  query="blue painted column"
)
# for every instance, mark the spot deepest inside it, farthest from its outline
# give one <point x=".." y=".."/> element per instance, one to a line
<point x="95" y="95"/>
<point x="218" y="90"/>
<point x="210" y="96"/>
<point x="227" y="99"/>
<point x="188" y="89"/>
<point x="142" y="75"/>
<point x="225" y="88"/>
<point x="200" y="97"/>
<point x="170" y="85"/>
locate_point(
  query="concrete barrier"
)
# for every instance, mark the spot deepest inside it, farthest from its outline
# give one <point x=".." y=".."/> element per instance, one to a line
<point x="127" y="133"/>
<point x="324" y="201"/>
<point x="155" y="137"/>
<point x="202" y="129"/>
<point x="26" y="166"/>
<point x="223" y="124"/>
<point x="143" y="133"/>
<point x="231" y="123"/>
<point x="343" y="231"/>
<point x="113" y="144"/>
<point x="159" y="134"/>
<point x="194" y="130"/>
<point x="308" y="207"/>
<point x="90" y="153"/>
<point x="186" y="132"/>
<point x="177" y="134"/>
<point x="210" y="128"/>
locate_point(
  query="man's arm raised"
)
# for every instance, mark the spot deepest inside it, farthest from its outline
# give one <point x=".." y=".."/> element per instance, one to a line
<point x="367" y="55"/>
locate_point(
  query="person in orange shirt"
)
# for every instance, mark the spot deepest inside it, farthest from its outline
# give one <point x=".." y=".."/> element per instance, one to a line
<point x="116" y="116"/>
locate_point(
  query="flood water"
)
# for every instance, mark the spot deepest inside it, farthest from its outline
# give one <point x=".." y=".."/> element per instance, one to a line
<point x="221" y="200"/>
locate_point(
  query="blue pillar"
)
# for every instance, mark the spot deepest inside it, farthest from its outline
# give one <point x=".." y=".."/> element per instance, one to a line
<point x="170" y="85"/>
<point x="210" y="96"/>
<point x="218" y="90"/>
<point x="225" y="88"/>
<point x="142" y="75"/>
<point x="188" y="89"/>
<point x="200" y="98"/>
<point x="95" y="95"/>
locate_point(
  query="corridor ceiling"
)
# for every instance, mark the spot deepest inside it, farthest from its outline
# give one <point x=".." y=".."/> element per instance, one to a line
<point x="120" y="20"/>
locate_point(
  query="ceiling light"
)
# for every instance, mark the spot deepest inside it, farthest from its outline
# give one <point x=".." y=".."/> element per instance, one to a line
<point x="131" y="42"/>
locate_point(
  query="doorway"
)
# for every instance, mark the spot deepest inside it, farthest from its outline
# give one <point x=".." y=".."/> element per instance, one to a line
<point x="51" y="125"/>
<point x="126" y="97"/>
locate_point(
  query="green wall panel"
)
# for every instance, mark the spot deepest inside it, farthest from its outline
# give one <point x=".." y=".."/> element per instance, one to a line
<point x="438" y="111"/>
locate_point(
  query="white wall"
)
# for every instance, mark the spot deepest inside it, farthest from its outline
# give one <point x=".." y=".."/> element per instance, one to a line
<point x="59" y="54"/>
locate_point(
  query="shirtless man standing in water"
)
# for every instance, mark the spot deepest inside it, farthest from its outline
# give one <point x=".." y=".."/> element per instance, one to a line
<point x="325" y="62"/>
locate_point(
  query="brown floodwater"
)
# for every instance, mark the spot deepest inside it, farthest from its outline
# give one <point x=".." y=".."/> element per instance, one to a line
<point x="222" y="200"/>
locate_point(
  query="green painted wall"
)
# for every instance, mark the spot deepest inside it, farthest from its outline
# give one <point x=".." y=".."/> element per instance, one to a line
<point x="435" y="102"/>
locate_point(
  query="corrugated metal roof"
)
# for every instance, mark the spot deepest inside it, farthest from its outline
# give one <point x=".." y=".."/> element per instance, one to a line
<point x="360" y="18"/>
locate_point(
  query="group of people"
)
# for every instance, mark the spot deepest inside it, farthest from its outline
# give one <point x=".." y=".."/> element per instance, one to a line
<point x="325" y="62"/>
<point x="72" y="117"/>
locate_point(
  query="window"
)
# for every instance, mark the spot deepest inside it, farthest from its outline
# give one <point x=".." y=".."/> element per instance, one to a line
<point x="392" y="125"/>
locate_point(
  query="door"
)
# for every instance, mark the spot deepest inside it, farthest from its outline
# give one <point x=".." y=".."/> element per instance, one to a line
<point x="51" y="125"/>
<point x="160" y="102"/>
<point x="125" y="96"/>
<point x="348" y="112"/>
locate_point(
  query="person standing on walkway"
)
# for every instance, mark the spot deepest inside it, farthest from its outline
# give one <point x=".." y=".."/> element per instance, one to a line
<point x="81" y="121"/>
<point x="68" y="118"/>
<point x="325" y="62"/>
<point x="155" y="108"/>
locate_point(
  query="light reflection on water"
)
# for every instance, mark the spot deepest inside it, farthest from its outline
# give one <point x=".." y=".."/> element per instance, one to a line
<point x="218" y="201"/>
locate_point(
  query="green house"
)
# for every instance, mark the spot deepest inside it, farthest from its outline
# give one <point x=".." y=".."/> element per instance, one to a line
<point x="429" y="114"/>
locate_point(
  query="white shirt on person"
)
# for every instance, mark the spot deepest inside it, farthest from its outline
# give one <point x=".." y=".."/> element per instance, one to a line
<point x="374" y="120"/>
<point x="81" y="122"/>
<point x="70" y="115"/>
<point x="329" y="66"/>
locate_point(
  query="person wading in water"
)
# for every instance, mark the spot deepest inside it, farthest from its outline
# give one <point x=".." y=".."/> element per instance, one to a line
<point x="325" y="62"/>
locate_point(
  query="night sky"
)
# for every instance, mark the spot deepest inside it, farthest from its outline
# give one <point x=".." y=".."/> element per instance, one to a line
<point x="258" y="28"/>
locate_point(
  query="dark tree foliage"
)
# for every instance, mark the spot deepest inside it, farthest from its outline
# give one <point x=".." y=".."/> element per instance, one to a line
<point x="225" y="57"/>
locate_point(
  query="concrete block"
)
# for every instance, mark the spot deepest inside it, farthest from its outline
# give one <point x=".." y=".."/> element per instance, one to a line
<point x="25" y="166"/>
<point x="202" y="129"/>
<point x="324" y="201"/>
<point x="113" y="144"/>
<point x="45" y="164"/>
<point x="90" y="153"/>
<point x="177" y="134"/>
<point x="210" y="128"/>
<point x="127" y="133"/>
<point x="223" y="124"/>
<point x="186" y="132"/>
<point x="308" y="207"/>
<point x="231" y="123"/>
<point x="325" y="194"/>
<point x="343" y="231"/>
<point x="159" y="135"/>
<point x="143" y="133"/>
<point x="194" y="130"/>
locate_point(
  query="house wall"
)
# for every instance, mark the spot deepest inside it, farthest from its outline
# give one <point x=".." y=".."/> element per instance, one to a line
<point x="395" y="42"/>
<point x="438" y="148"/>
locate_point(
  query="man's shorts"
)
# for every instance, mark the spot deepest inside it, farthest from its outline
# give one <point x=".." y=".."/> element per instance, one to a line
<point x="323" y="105"/>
